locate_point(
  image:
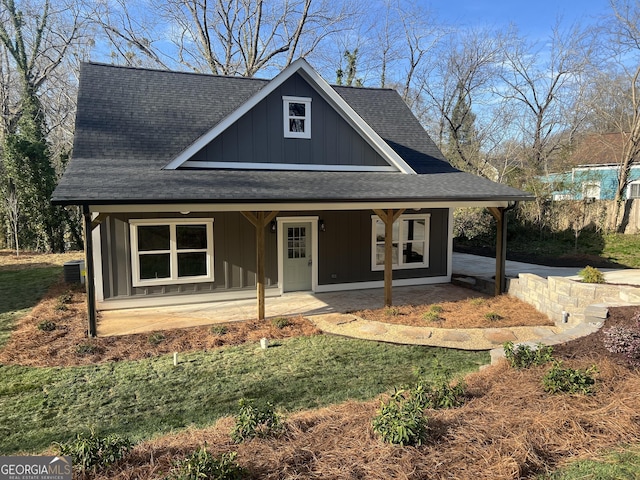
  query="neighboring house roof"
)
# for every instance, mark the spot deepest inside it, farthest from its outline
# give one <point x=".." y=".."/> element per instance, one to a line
<point x="597" y="149"/>
<point x="133" y="125"/>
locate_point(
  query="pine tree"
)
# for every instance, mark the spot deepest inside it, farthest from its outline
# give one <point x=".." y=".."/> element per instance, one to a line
<point x="462" y="148"/>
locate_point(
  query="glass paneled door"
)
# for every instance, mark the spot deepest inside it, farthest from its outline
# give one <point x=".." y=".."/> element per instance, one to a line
<point x="297" y="257"/>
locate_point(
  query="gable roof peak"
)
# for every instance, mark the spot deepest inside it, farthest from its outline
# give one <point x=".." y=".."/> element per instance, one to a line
<point x="302" y="67"/>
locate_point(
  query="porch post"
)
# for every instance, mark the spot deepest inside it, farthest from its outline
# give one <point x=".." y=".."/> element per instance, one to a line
<point x="89" y="281"/>
<point x="388" y="218"/>
<point x="501" y="248"/>
<point x="260" y="221"/>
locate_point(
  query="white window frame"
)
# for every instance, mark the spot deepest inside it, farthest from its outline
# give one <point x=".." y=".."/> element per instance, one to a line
<point x="286" y="100"/>
<point x="630" y="187"/>
<point x="586" y="185"/>
<point x="173" y="252"/>
<point x="400" y="265"/>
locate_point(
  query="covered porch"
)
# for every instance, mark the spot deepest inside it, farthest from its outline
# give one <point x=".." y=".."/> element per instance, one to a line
<point x="263" y="221"/>
<point x="141" y="320"/>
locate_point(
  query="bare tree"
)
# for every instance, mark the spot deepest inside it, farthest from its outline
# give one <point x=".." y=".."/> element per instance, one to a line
<point x="618" y="91"/>
<point x="462" y="77"/>
<point x="225" y="37"/>
<point x="35" y="39"/>
<point x="543" y="79"/>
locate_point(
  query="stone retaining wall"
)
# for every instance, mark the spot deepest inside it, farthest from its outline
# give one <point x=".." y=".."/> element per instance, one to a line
<point x="584" y="302"/>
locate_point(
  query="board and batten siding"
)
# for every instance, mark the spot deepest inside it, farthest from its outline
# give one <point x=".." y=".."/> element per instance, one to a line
<point x="258" y="136"/>
<point x="344" y="252"/>
<point x="345" y="248"/>
<point x="234" y="256"/>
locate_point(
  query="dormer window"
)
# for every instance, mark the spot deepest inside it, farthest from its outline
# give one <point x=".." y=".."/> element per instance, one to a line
<point x="297" y="117"/>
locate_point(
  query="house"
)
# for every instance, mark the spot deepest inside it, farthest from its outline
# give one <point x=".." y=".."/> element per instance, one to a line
<point x="199" y="188"/>
<point x="595" y="166"/>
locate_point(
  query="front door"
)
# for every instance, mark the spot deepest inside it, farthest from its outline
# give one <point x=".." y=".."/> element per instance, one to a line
<point x="297" y="257"/>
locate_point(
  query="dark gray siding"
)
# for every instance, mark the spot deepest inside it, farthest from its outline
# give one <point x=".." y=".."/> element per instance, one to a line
<point x="344" y="252"/>
<point x="234" y="257"/>
<point x="258" y="136"/>
<point x="345" y="248"/>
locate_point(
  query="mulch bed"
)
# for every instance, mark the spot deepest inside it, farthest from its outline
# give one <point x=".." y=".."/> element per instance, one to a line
<point x="509" y="429"/>
<point x="68" y="344"/>
<point x="591" y="347"/>
<point x="479" y="312"/>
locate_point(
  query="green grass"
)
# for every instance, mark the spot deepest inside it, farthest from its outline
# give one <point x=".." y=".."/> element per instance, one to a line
<point x="623" y="249"/>
<point x="145" y="398"/>
<point x="619" y="248"/>
<point x="624" y="464"/>
<point x="20" y="290"/>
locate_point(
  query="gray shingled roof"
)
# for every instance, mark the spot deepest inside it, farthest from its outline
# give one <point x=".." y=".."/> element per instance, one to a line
<point x="131" y="122"/>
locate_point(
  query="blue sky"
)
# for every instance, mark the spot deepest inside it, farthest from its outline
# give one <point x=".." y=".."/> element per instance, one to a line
<point x="535" y="18"/>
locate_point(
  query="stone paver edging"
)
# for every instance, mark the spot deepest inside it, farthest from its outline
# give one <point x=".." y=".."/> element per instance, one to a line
<point x="349" y="325"/>
<point x="491" y="339"/>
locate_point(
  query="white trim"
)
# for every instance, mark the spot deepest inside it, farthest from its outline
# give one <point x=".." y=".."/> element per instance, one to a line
<point x="307" y="167"/>
<point x="402" y="266"/>
<point x="450" y="244"/>
<point x="591" y="183"/>
<point x="141" y="301"/>
<point x="286" y="116"/>
<point x="266" y="207"/>
<point x="610" y="166"/>
<point x="97" y="262"/>
<point x="404" y="282"/>
<point x="325" y="90"/>
<point x="634" y="182"/>
<point x="173" y="279"/>
<point x="281" y="221"/>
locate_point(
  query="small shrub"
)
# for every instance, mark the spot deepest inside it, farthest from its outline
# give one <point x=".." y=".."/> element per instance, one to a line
<point x="253" y="421"/>
<point x="62" y="301"/>
<point x="392" y="311"/>
<point x="591" y="275"/>
<point x="86" y="349"/>
<point x="202" y="465"/>
<point x="493" y="316"/>
<point x="625" y="341"/>
<point x="440" y="393"/>
<point x="524" y="356"/>
<point x="401" y="420"/>
<point x="156" y="338"/>
<point x="219" y="330"/>
<point x="281" y="322"/>
<point x="433" y="315"/>
<point x="94" y="452"/>
<point x="477" y="301"/>
<point x="46" y="326"/>
<point x="569" y="380"/>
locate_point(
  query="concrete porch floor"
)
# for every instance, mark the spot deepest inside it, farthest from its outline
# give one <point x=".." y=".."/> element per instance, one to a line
<point x="140" y="320"/>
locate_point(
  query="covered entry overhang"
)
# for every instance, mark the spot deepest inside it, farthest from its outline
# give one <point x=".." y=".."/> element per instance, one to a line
<point x="261" y="216"/>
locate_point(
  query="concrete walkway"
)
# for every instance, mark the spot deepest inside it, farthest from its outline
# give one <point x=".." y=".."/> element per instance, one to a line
<point x="477" y="266"/>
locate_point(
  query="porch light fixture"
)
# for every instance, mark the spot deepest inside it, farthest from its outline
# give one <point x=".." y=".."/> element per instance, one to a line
<point x="273" y="226"/>
<point x="321" y="225"/>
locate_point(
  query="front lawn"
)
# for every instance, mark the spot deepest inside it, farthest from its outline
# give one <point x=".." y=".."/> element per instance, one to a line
<point x="19" y="291"/>
<point x="145" y="398"/>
